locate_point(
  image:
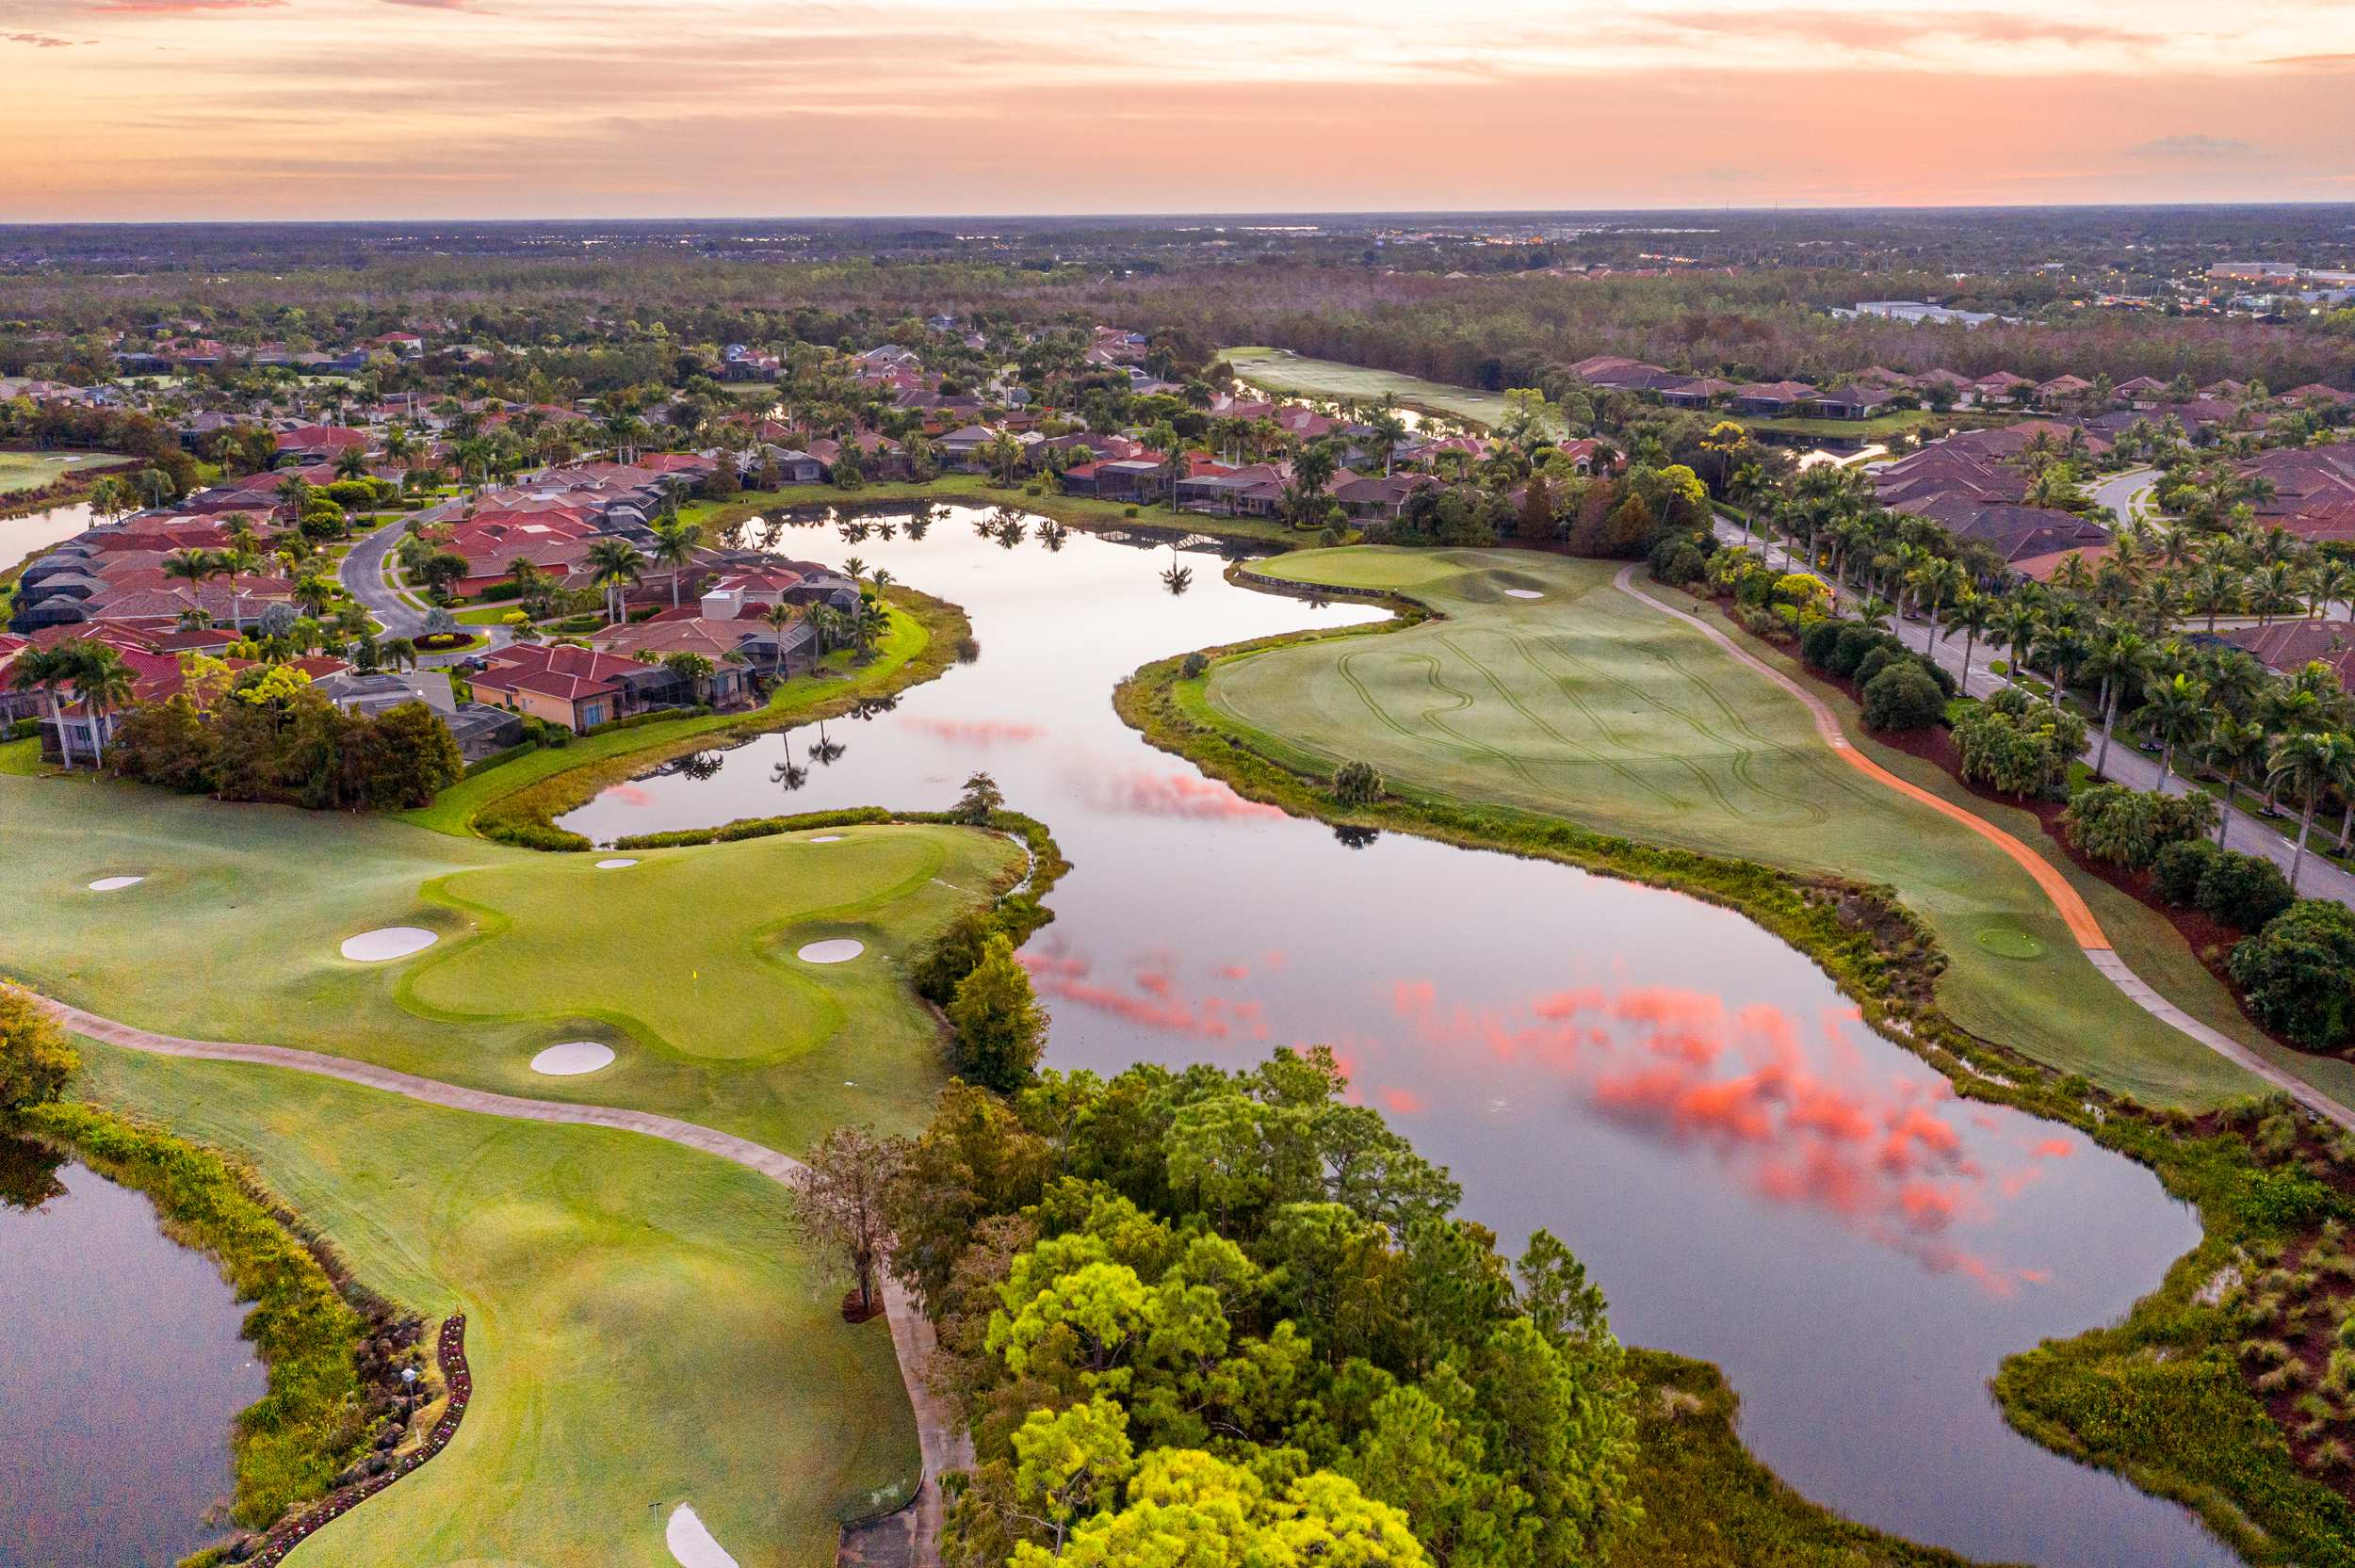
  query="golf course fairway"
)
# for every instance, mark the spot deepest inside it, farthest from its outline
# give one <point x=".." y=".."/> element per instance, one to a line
<point x="1582" y="704"/>
<point x="683" y="964"/>
<point x="642" y="1330"/>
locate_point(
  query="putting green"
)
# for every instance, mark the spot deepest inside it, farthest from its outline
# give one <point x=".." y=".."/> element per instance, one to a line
<point x="686" y="958"/>
<point x="642" y="1329"/>
<point x="1586" y="704"/>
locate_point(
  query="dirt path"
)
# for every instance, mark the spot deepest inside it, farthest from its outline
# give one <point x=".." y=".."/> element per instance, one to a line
<point x="2071" y="904"/>
<point x="941" y="1436"/>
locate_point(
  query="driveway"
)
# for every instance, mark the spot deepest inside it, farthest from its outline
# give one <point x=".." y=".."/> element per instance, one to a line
<point x="2247" y="832"/>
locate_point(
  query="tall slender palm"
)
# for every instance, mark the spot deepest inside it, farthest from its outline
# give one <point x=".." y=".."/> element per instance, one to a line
<point x="1972" y="614"/>
<point x="615" y="564"/>
<point x="2310" y="763"/>
<point x="49" y="671"/>
<point x="104" y="683"/>
<point x="2232" y="747"/>
<point x="2017" y="628"/>
<point x="676" y="543"/>
<point x="2120" y="660"/>
<point x="2174" y="713"/>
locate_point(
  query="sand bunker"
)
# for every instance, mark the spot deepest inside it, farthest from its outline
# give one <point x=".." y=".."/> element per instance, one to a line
<point x="842" y="949"/>
<point x="615" y="864"/>
<point x="573" y="1057"/>
<point x="827" y="838"/>
<point x="692" y="1544"/>
<point x="392" y="942"/>
<point x="1522" y="593"/>
<point x="111" y="884"/>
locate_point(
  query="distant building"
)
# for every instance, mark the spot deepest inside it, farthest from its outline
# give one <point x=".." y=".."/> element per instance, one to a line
<point x="1917" y="310"/>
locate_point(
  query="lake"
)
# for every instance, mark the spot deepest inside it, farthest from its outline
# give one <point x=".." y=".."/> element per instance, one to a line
<point x="1751" y="1175"/>
<point x="119" y="1377"/>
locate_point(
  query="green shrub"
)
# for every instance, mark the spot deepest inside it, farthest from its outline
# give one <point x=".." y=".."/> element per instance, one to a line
<point x="1195" y="667"/>
<point x="2298" y="972"/>
<point x="2178" y="870"/>
<point x="2019" y="747"/>
<point x="1817" y="642"/>
<point x="1903" y="697"/>
<point x="1356" y="783"/>
<point x="1849" y="648"/>
<point x="2129" y="826"/>
<point x="2244" y="891"/>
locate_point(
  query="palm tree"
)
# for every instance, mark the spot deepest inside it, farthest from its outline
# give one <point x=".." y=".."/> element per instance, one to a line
<point x="2017" y="628"/>
<point x="1971" y="614"/>
<point x="2328" y="582"/>
<point x="2120" y="659"/>
<point x="614" y="564"/>
<point x="191" y="566"/>
<point x="2231" y="746"/>
<point x="2310" y="763"/>
<point x="676" y="543"/>
<point x="104" y="683"/>
<point x="49" y="671"/>
<point x="2174" y="714"/>
<point x="2215" y="590"/>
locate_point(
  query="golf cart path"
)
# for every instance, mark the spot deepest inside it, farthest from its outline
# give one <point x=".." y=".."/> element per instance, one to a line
<point x="2071" y="904"/>
<point x="941" y="1436"/>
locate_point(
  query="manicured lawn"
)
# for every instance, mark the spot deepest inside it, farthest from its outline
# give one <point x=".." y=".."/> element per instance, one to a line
<point x="642" y="1330"/>
<point x="31" y="470"/>
<point x="684" y="962"/>
<point x="1879" y="427"/>
<point x="21" y="758"/>
<point x="1584" y="704"/>
<point x="1278" y="371"/>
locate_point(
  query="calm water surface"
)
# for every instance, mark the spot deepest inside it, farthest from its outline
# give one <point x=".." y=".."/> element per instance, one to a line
<point x="121" y="1368"/>
<point x="1753" y="1176"/>
<point x="38" y="531"/>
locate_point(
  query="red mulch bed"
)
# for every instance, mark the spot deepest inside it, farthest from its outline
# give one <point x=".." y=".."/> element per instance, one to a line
<point x="854" y="1313"/>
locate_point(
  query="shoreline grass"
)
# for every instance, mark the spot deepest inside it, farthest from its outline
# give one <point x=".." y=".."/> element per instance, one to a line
<point x="979" y="489"/>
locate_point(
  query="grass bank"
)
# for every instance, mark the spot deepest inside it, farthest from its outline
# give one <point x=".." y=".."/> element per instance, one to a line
<point x="517" y="799"/>
<point x="1280" y="370"/>
<point x="979" y="489"/>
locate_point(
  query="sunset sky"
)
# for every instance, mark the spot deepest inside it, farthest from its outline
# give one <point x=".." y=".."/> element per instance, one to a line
<point x="155" y="109"/>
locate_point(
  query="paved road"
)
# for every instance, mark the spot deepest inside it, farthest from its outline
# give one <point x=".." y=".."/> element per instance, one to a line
<point x="2071" y="906"/>
<point x="362" y="576"/>
<point x="361" y="572"/>
<point x="941" y="1436"/>
<point x="2122" y="492"/>
<point x="2126" y="765"/>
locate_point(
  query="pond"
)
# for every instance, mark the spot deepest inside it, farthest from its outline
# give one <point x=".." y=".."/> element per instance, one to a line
<point x="20" y="537"/>
<point x="114" y="1412"/>
<point x="1752" y="1175"/>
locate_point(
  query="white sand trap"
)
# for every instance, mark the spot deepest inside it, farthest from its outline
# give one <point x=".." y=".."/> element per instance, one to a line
<point x="827" y="838"/>
<point x="115" y="885"/>
<point x="692" y="1545"/>
<point x="842" y="949"/>
<point x="392" y="942"/>
<point x="573" y="1057"/>
<point x="1522" y="593"/>
<point x="615" y="864"/>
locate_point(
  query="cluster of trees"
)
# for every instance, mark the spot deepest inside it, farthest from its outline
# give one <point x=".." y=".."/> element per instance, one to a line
<point x="997" y="1027"/>
<point x="1204" y="1316"/>
<point x="1900" y="688"/>
<point x="2015" y="745"/>
<point x="264" y="734"/>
